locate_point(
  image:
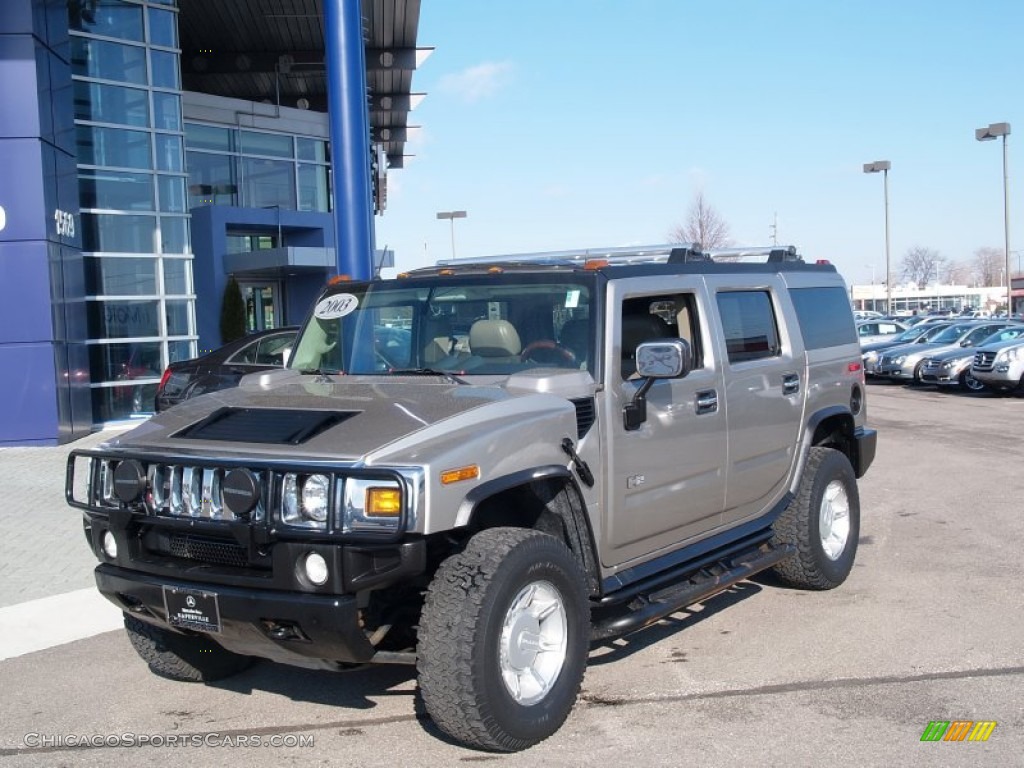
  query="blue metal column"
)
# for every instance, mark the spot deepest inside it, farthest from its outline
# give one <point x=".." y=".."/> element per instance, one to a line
<point x="350" y="137"/>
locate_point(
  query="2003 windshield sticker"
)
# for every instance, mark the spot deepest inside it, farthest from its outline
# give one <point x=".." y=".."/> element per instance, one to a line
<point x="338" y="305"/>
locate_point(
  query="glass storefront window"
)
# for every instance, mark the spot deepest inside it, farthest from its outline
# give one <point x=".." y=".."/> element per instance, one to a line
<point x="273" y="144"/>
<point x="177" y="317"/>
<point x="125" y="362"/>
<point x="111" y="104"/>
<point x="117" y="234"/>
<point x="211" y="179"/>
<point x="176" y="277"/>
<point x="110" y="18"/>
<point x="166" y="111"/>
<point x="115" y="147"/>
<point x="180" y="350"/>
<point x="115" y="276"/>
<point x="108" y="61"/>
<point x="209" y="137"/>
<point x="313" y="193"/>
<point x="116" y="190"/>
<point x="169" y="155"/>
<point x="268" y="183"/>
<point x="116" y="319"/>
<point x="174" y="235"/>
<point x="172" y="193"/>
<point x="163" y="28"/>
<point x="314" y="150"/>
<point x="163" y="67"/>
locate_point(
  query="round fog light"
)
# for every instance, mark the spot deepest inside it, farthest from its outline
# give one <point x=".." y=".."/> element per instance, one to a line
<point x="110" y="545"/>
<point x="316" y="569"/>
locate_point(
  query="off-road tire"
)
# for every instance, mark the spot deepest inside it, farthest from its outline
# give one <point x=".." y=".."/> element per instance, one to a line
<point x="189" y="658"/>
<point x="462" y="649"/>
<point x="826" y="471"/>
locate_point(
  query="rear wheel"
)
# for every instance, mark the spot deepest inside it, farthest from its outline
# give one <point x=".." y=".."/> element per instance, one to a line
<point x="503" y="639"/>
<point x="190" y="658"/>
<point x="822" y="522"/>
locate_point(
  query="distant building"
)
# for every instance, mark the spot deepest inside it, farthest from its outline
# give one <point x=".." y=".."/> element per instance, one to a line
<point x="910" y="298"/>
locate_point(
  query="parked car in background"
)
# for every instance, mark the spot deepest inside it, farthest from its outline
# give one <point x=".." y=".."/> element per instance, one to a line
<point x="903" y="363"/>
<point x="953" y="367"/>
<point x="915" y="334"/>
<point x="225" y="366"/>
<point x="869" y="331"/>
<point x="1001" y="367"/>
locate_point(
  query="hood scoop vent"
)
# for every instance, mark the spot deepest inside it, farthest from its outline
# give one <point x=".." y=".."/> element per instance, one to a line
<point x="264" y="425"/>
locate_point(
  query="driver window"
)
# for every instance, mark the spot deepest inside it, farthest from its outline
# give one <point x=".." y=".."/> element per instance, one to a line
<point x="658" y="317"/>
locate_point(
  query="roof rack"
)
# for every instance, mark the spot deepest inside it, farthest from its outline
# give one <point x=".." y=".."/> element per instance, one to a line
<point x="671" y="253"/>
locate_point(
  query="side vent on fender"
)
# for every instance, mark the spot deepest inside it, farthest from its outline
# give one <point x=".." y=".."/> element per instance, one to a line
<point x="586" y="412"/>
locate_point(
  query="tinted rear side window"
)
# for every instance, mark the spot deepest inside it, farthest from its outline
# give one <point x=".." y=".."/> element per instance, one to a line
<point x="825" y="317"/>
<point x="748" y="320"/>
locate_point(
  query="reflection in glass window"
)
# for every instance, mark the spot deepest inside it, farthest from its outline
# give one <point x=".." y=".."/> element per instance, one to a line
<point x="180" y="350"/>
<point x="163" y="28"/>
<point x="125" y="362"/>
<point x="166" y="111"/>
<point x="123" y="319"/>
<point x="120" y="277"/>
<point x="108" y="61"/>
<point x="177" y="317"/>
<point x="313" y="192"/>
<point x="116" y="190"/>
<point x="273" y="144"/>
<point x="172" y="193"/>
<point x="268" y="183"/>
<point x="109" y="18"/>
<point x="163" y="68"/>
<point x="209" y="137"/>
<point x="211" y="180"/>
<point x="169" y="155"/>
<point x="111" y="104"/>
<point x="174" y="235"/>
<point x="748" y="320"/>
<point x="176" y="277"/>
<point x="314" y="150"/>
<point x="117" y="234"/>
<point x="115" y="147"/>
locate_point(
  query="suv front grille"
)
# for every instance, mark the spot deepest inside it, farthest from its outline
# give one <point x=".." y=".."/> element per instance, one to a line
<point x="984" y="361"/>
<point x="206" y="550"/>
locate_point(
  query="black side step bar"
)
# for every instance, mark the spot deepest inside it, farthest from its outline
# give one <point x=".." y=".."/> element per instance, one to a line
<point x="707" y="581"/>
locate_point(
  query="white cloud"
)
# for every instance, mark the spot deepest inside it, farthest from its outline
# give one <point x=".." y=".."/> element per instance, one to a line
<point x="479" y="82"/>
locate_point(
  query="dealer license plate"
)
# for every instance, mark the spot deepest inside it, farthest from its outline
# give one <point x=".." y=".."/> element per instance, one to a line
<point x="192" y="609"/>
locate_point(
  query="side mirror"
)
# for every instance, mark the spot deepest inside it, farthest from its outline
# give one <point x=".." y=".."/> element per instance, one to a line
<point x="662" y="359"/>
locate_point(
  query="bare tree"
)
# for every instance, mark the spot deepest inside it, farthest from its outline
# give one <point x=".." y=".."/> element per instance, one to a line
<point x="956" y="273"/>
<point x="921" y="265"/>
<point x="703" y="226"/>
<point x="989" y="264"/>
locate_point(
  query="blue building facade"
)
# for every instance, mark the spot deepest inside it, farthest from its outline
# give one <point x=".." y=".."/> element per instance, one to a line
<point x="128" y="202"/>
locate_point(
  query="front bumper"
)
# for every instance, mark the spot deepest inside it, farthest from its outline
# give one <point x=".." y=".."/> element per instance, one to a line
<point x="283" y="626"/>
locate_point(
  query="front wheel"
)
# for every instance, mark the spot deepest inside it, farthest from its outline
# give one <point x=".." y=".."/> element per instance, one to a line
<point x="190" y="658"/>
<point x="822" y="522"/>
<point x="503" y="639"/>
<point x="970" y="384"/>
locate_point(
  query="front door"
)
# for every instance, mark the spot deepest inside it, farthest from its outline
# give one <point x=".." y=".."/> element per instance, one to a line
<point x="262" y="305"/>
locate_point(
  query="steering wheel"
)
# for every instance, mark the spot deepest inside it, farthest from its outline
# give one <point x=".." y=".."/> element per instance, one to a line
<point x="556" y="350"/>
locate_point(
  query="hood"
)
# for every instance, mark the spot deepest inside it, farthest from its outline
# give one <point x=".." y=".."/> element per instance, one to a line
<point x="283" y="413"/>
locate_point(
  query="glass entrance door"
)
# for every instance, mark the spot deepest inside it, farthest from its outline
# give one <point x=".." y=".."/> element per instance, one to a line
<point x="261" y="305"/>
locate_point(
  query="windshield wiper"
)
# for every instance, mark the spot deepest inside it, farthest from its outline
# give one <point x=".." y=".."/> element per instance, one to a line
<point x="426" y="372"/>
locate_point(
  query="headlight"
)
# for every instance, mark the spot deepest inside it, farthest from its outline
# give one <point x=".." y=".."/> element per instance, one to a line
<point x="870" y="357"/>
<point x="1010" y="355"/>
<point x="372" y="505"/>
<point x="898" y="360"/>
<point x="305" y="500"/>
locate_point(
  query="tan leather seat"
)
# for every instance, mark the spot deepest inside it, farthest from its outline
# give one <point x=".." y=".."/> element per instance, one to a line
<point x="494" y="340"/>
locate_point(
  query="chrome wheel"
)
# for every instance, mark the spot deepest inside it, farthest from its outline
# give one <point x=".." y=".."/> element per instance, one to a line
<point x="534" y="639"/>
<point x="834" y="520"/>
<point x="970" y="383"/>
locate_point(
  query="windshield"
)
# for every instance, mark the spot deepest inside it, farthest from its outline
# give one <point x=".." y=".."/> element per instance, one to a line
<point x="952" y="334"/>
<point x="449" y="325"/>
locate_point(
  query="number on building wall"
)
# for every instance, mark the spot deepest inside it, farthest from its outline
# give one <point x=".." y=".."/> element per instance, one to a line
<point x="65" y="223"/>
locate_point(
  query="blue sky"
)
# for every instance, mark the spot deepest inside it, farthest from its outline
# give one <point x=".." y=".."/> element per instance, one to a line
<point x="571" y="123"/>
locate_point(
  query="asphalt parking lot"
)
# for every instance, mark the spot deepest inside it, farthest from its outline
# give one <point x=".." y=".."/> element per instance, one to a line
<point x="929" y="627"/>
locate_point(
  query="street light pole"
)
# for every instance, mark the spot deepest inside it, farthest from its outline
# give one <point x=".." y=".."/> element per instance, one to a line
<point x="993" y="131"/>
<point x="883" y="166"/>
<point x="452" y="216"/>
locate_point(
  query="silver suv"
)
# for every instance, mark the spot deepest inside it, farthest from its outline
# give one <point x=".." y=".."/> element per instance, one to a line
<point x="569" y="447"/>
<point x="1001" y="368"/>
